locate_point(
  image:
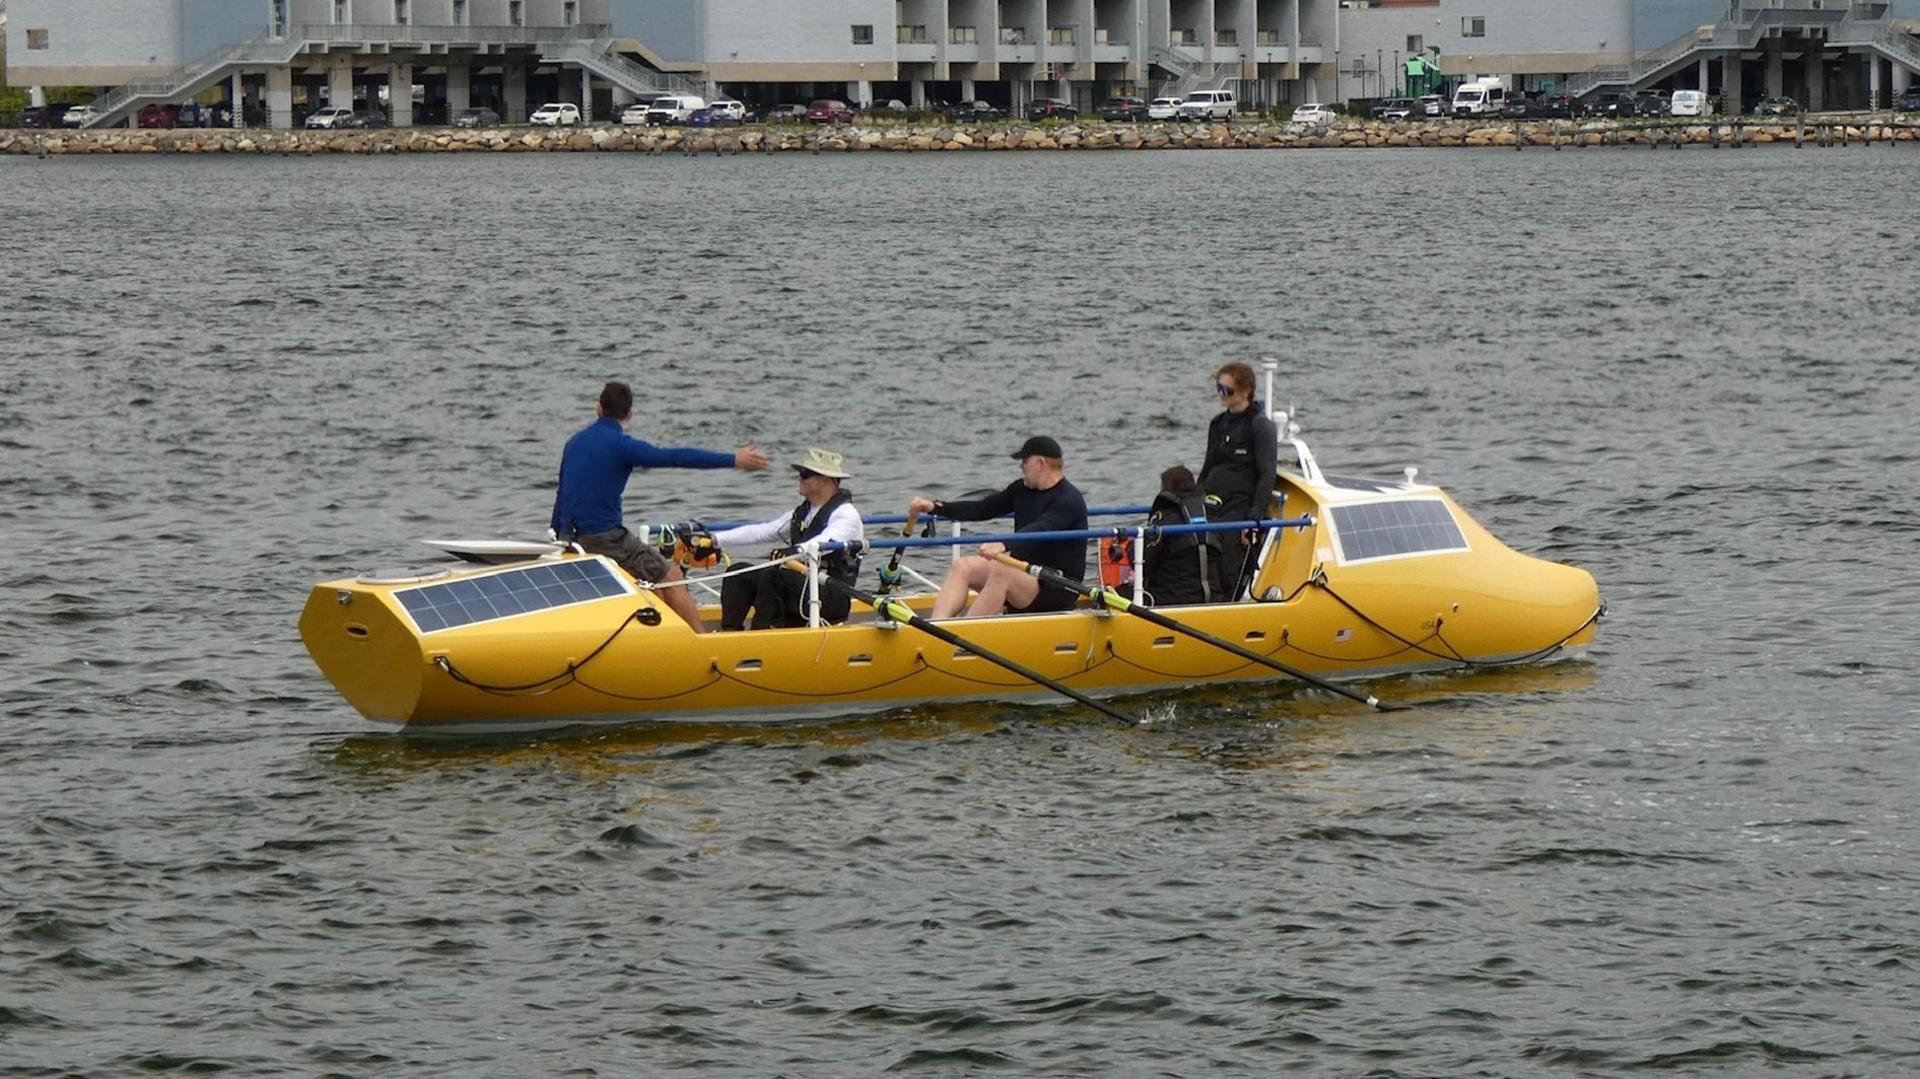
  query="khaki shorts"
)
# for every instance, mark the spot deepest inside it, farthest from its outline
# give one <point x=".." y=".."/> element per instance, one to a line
<point x="644" y="562"/>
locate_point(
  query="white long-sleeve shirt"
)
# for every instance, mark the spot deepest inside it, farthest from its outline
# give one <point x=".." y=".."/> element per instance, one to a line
<point x="844" y="526"/>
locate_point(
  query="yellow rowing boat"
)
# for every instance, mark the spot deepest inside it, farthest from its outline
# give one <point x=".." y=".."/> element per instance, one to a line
<point x="1377" y="578"/>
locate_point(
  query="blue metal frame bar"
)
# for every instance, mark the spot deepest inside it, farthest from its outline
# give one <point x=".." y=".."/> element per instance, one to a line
<point x="1075" y="534"/>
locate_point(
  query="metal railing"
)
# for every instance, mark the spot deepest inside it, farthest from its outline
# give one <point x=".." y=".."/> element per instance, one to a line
<point x="598" y="56"/>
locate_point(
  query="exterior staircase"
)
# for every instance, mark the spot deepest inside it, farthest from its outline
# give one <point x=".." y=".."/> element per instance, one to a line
<point x="589" y="47"/>
<point x="1189" y="72"/>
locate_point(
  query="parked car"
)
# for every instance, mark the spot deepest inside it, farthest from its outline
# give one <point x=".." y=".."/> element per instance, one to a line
<point x="1430" y="105"/>
<point x="43" y="115"/>
<point x="1123" y="108"/>
<point x="786" y="114"/>
<point x="712" y="116"/>
<point x="1689" y="103"/>
<point x="1908" y="102"/>
<point x="1776" y="106"/>
<point x="1393" y="108"/>
<point x="1312" y="114"/>
<point x="1163" y="108"/>
<point x="194" y="114"/>
<point x="1208" y="105"/>
<point x="829" y="110"/>
<point x="892" y="104"/>
<point x="77" y="116"/>
<point x="1517" y="106"/>
<point x="330" y="117"/>
<point x="481" y="117"/>
<point x="1652" y="103"/>
<point x="363" y="120"/>
<point x="556" y="114"/>
<point x="1554" y="106"/>
<point x="431" y="112"/>
<point x="1051" y="108"/>
<point x="1609" y="104"/>
<point x="732" y="111"/>
<point x="158" y="115"/>
<point x="975" y="110"/>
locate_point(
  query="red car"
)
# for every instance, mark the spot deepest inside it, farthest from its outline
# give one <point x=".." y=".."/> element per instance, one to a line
<point x="828" y="111"/>
<point x="159" y="116"/>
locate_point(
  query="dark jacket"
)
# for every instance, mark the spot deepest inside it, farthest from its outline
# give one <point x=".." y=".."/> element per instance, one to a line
<point x="1243" y="455"/>
<point x="1181" y="569"/>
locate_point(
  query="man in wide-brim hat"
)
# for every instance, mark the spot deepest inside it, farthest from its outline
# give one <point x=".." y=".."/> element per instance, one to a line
<point x="826" y="514"/>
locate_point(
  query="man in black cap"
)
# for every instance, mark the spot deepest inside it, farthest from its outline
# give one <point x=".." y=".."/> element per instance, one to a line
<point x="1041" y="501"/>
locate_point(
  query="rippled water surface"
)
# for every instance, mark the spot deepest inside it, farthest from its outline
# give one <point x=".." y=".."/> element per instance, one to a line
<point x="1690" y="852"/>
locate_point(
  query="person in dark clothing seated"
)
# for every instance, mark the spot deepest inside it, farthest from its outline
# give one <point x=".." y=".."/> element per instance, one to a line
<point x="1180" y="569"/>
<point x="1041" y="501"/>
<point x="1243" y="454"/>
<point x="826" y="514"/>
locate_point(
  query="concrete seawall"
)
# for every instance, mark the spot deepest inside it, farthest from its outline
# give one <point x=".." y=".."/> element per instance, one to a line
<point x="996" y="136"/>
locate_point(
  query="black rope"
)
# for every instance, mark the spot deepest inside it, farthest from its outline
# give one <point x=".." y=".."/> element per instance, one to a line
<point x="1286" y="644"/>
<point x="924" y="666"/>
<point x="1319" y="580"/>
<point x="545" y="685"/>
<point x="584" y="684"/>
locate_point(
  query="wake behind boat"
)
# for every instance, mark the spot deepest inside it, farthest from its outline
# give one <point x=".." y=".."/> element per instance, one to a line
<point x="1354" y="579"/>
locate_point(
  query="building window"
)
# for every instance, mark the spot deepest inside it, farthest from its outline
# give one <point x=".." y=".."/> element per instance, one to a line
<point x="1186" y="35"/>
<point x="1226" y="37"/>
<point x="36" y="39"/>
<point x="1059" y="35"/>
<point x="1473" y="26"/>
<point x="912" y="35"/>
<point x="341" y="16"/>
<point x="516" y="12"/>
<point x="1416" y="43"/>
<point x="1013" y="35"/>
<point x="402" y="12"/>
<point x="962" y="35"/>
<point x="570" y="12"/>
<point x="863" y="33"/>
<point x="1269" y="37"/>
<point x="459" y="12"/>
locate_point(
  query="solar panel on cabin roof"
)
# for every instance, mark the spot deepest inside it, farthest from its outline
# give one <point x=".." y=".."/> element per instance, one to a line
<point x="511" y="592"/>
<point x="1386" y="529"/>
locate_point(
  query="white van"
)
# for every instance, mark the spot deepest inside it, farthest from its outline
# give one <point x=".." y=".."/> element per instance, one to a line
<point x="674" y="110"/>
<point x="1207" y="105"/>
<point x="1689" y="103"/>
<point x="1481" y="97"/>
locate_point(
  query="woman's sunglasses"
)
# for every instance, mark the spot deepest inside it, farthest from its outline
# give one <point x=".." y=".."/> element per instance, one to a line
<point x="1224" y="389"/>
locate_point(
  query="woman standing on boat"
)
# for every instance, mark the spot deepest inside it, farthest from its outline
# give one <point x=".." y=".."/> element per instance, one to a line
<point x="1243" y="452"/>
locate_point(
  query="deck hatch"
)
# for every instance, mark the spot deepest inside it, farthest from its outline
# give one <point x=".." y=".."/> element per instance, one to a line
<point x="1373" y="530"/>
<point x="524" y="590"/>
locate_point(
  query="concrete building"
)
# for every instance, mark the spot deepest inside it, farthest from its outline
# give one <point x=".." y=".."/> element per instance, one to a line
<point x="278" y="57"/>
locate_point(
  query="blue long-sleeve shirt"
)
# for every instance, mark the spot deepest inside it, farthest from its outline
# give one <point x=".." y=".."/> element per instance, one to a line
<point x="594" y="469"/>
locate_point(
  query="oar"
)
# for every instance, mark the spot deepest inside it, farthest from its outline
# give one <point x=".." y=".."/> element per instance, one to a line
<point x="1126" y="606"/>
<point x="900" y="612"/>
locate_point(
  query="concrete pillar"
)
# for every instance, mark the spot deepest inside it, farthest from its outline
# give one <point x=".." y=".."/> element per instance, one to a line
<point x="37" y="97"/>
<point x="400" y="95"/>
<point x="1730" y="89"/>
<point x="967" y="92"/>
<point x="917" y="93"/>
<point x="513" y="88"/>
<point x="280" y="98"/>
<point x="622" y="97"/>
<point x="237" y="97"/>
<point x="1776" y="69"/>
<point x="340" y="82"/>
<point x="1704" y="84"/>
<point x="459" y="88"/>
<point x="1874" y="100"/>
<point x="860" y="93"/>
<point x="1901" y="79"/>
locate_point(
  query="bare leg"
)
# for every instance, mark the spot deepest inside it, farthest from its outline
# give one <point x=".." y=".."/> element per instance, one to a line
<point x="1005" y="587"/>
<point x="678" y="601"/>
<point x="967" y="574"/>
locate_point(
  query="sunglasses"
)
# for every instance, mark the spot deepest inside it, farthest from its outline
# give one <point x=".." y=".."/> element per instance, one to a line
<point x="807" y="473"/>
<point x="1224" y="389"/>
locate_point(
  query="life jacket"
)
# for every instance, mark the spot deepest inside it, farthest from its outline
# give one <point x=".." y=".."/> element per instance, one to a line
<point x="1230" y="473"/>
<point x="839" y="565"/>
<point x="1179" y="508"/>
<point x="1116" y="562"/>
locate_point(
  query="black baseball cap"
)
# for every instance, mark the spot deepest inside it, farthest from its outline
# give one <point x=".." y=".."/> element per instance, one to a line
<point x="1038" y="446"/>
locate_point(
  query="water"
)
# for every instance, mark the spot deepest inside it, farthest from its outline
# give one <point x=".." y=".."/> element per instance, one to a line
<point x="1690" y="852"/>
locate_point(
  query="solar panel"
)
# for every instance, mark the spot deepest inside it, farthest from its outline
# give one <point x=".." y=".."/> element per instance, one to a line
<point x="510" y="592"/>
<point x="1387" y="529"/>
<point x="1350" y="483"/>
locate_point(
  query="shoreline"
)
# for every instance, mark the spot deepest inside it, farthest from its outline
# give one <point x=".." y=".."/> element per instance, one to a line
<point x="1004" y="135"/>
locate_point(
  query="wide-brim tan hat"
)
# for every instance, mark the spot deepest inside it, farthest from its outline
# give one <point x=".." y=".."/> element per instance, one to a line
<point x="825" y="462"/>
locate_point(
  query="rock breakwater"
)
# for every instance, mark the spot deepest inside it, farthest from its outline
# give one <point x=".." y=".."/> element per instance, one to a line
<point x="908" y="138"/>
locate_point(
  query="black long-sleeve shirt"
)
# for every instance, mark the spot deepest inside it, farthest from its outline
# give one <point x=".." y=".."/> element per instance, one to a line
<point x="1060" y="508"/>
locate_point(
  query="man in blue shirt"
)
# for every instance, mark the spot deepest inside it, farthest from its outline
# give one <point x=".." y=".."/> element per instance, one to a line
<point x="593" y="475"/>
